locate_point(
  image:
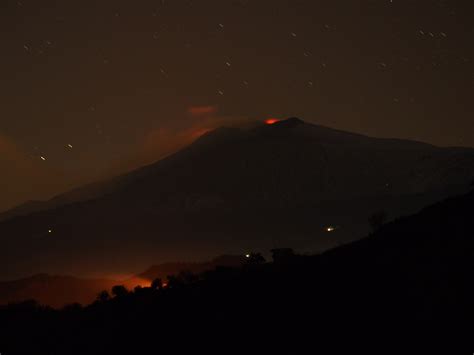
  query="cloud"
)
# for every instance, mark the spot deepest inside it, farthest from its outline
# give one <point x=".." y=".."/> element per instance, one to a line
<point x="198" y="111"/>
<point x="167" y="140"/>
<point x="192" y="123"/>
<point x="164" y="141"/>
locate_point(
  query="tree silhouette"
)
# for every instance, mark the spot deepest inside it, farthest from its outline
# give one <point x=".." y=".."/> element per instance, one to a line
<point x="174" y="281"/>
<point x="157" y="284"/>
<point x="103" y="296"/>
<point x="255" y="259"/>
<point x="72" y="307"/>
<point x="282" y="255"/>
<point x="187" y="277"/>
<point x="119" y="291"/>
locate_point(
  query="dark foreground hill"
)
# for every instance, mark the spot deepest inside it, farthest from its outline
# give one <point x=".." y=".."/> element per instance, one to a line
<point x="231" y="191"/>
<point x="410" y="281"/>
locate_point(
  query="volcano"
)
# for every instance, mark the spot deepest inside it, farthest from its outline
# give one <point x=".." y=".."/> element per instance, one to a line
<point x="233" y="191"/>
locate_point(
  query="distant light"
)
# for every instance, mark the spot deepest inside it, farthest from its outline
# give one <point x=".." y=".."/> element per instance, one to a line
<point x="330" y="229"/>
<point x="50" y="231"/>
<point x="69" y="146"/>
<point x="43" y="158"/>
<point x="271" y="121"/>
<point x="247" y="256"/>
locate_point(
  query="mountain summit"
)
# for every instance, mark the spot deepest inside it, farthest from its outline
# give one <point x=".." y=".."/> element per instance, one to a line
<point x="231" y="191"/>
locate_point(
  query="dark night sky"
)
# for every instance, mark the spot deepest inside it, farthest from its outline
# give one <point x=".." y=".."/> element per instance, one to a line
<point x="125" y="82"/>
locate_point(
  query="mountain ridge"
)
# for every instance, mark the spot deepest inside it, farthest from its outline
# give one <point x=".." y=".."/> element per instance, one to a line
<point x="95" y="189"/>
<point x="234" y="190"/>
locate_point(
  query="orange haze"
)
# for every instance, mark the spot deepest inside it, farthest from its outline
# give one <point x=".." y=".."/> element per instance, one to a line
<point x="271" y="121"/>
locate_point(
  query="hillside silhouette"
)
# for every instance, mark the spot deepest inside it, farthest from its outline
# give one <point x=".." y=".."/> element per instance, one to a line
<point x="59" y="290"/>
<point x="411" y="280"/>
<point x="231" y="191"/>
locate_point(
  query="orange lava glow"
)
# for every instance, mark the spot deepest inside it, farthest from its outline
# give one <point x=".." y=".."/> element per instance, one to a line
<point x="132" y="282"/>
<point x="271" y="121"/>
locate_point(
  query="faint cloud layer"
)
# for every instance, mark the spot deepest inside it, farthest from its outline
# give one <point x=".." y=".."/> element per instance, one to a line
<point x="167" y="140"/>
<point x="202" y="110"/>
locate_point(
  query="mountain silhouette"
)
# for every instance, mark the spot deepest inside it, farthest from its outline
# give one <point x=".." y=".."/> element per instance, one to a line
<point x="232" y="191"/>
<point x="409" y="282"/>
<point x="59" y="290"/>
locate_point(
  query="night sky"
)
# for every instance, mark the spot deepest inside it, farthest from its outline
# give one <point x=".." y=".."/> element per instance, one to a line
<point x="90" y="89"/>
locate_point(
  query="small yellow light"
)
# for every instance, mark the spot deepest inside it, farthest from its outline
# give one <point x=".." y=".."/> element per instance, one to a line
<point x="247" y="255"/>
